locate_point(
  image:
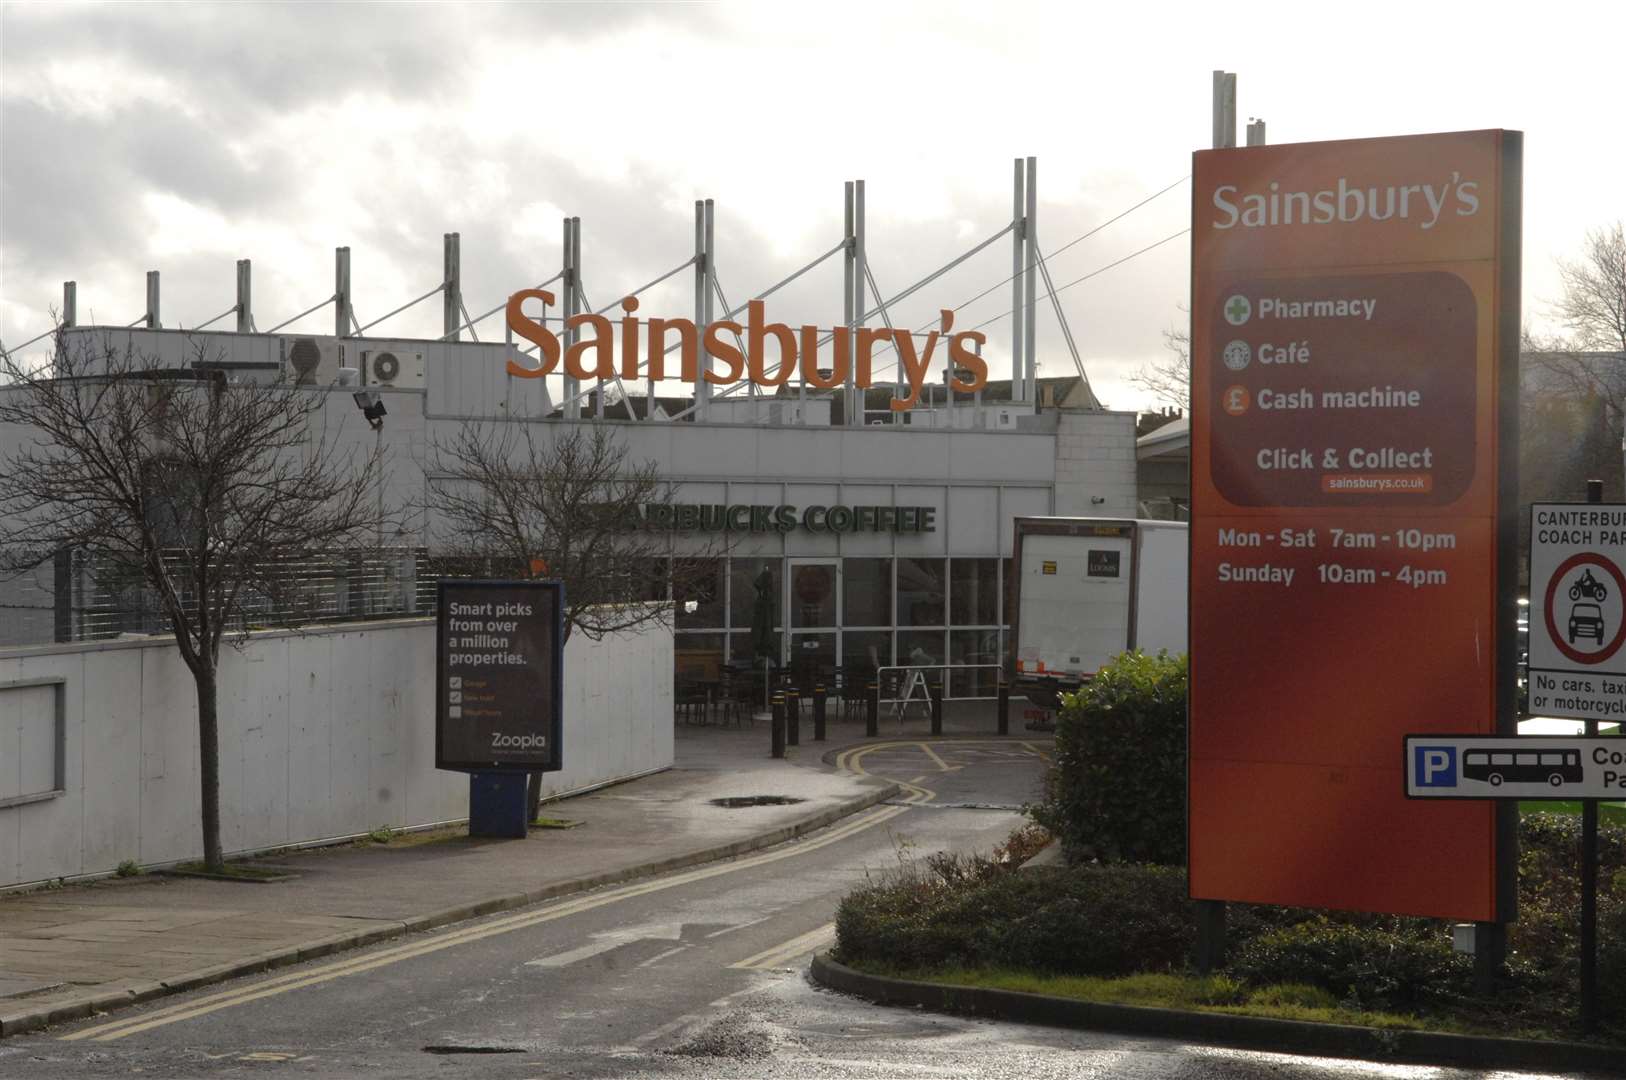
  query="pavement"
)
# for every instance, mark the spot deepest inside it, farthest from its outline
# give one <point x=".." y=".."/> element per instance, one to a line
<point x="73" y="951"/>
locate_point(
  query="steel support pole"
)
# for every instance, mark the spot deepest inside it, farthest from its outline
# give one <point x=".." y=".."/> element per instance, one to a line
<point x="1018" y="210"/>
<point x="70" y="303"/>
<point x="1224" y="110"/>
<point x="1210" y="935"/>
<point x="1030" y="313"/>
<point x="711" y="293"/>
<point x="153" y="321"/>
<point x="573" y="407"/>
<point x="937" y="702"/>
<point x="451" y="293"/>
<point x="860" y="262"/>
<point x="341" y="292"/>
<point x="847" y="265"/>
<point x="245" y="296"/>
<point x="581" y="300"/>
<point x="1589" y="872"/>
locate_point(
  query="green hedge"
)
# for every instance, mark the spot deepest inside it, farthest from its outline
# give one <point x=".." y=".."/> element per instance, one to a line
<point x="1083" y="920"/>
<point x="1370" y="967"/>
<point x="1117" y="789"/>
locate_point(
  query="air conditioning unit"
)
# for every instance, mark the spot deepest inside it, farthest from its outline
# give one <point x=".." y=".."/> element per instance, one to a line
<point x="312" y="361"/>
<point x="392" y="366"/>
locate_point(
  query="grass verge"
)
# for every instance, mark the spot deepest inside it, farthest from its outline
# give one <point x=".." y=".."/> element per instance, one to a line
<point x="1608" y="813"/>
<point x="233" y="871"/>
<point x="1196" y="993"/>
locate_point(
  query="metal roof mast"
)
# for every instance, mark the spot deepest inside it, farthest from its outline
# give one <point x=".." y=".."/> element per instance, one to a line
<point x="1027" y="261"/>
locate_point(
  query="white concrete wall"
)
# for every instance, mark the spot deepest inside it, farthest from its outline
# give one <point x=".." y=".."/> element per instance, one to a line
<point x="323" y="734"/>
<point x="1095" y="459"/>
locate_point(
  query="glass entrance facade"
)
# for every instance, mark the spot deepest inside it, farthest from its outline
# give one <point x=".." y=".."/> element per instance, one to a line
<point x="858" y="613"/>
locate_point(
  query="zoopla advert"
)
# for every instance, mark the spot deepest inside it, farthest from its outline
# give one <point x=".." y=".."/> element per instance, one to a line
<point x="497" y="687"/>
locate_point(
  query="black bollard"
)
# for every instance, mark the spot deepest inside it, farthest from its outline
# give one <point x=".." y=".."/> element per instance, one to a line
<point x="1003" y="703"/>
<point x="778" y="726"/>
<point x="937" y="703"/>
<point x="793" y="717"/>
<point x="818" y="712"/>
<point x="872" y="710"/>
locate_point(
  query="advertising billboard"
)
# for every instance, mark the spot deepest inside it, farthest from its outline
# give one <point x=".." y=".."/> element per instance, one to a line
<point x="499" y="695"/>
<point x="1354" y="332"/>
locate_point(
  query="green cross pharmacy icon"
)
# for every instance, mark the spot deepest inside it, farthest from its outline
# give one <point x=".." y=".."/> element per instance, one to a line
<point x="1238" y="310"/>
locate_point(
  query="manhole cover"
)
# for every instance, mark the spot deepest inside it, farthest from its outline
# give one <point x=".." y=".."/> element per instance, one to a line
<point x="735" y="801"/>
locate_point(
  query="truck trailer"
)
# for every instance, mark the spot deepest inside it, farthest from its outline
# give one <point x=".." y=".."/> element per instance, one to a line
<point x="1086" y="590"/>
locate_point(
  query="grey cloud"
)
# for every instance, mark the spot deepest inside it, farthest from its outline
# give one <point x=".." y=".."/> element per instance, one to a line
<point x="71" y="183"/>
<point x="240" y="60"/>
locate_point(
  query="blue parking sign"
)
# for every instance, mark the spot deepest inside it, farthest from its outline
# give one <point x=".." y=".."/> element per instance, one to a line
<point x="1435" y="766"/>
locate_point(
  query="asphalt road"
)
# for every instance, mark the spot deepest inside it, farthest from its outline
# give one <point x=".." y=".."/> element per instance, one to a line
<point x="701" y="973"/>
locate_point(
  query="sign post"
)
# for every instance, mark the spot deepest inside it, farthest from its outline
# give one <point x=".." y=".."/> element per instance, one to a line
<point x="1577" y="667"/>
<point x="499" y="693"/>
<point x="1353" y="529"/>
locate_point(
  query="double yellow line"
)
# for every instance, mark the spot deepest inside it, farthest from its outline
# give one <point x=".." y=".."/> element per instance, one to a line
<point x="282" y="984"/>
<point x="782" y="954"/>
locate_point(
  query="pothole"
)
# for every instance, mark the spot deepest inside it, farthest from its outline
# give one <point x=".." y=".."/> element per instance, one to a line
<point x="734" y="802"/>
<point x="447" y="1049"/>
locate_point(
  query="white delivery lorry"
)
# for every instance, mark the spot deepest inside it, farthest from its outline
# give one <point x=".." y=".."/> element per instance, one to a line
<point x="1086" y="590"/>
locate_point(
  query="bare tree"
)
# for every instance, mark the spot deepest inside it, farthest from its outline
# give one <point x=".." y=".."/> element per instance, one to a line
<point x="1594" y="304"/>
<point x="566" y="502"/>
<point x="200" y="490"/>
<point x="1589" y="361"/>
<point x="1169" y="378"/>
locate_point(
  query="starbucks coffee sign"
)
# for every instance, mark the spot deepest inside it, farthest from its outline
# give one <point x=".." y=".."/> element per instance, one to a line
<point x="742" y="517"/>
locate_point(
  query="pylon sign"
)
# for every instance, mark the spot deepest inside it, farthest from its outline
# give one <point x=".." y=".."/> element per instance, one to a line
<point x="1354" y="523"/>
<point x="1577" y="666"/>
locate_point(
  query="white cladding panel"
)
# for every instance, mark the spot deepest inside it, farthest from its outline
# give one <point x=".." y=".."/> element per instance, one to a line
<point x="972" y="521"/>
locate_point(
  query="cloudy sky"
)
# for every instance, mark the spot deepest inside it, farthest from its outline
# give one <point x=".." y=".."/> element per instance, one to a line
<point x="182" y="137"/>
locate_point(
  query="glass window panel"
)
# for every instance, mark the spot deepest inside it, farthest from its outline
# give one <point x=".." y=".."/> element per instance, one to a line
<point x="657" y="578"/>
<point x="973" y="647"/>
<point x="740" y="652"/>
<point x="974" y="592"/>
<point x="923" y="647"/>
<point x="742" y="597"/>
<point x="920" y="594"/>
<point x="697" y="589"/>
<point x="866" y="587"/>
<point x="697" y="657"/>
<point x="864" y="651"/>
<point x="813" y="594"/>
<point x="812" y="658"/>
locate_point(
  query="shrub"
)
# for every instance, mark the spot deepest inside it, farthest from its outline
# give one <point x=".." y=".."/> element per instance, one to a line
<point x="1098" y="920"/>
<point x="1368" y="967"/>
<point x="1542" y="943"/>
<point x="1117" y="789"/>
<point x="1089" y="920"/>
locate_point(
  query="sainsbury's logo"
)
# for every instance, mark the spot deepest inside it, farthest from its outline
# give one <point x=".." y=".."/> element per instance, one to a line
<point x="741" y="350"/>
<point x="1423" y="204"/>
